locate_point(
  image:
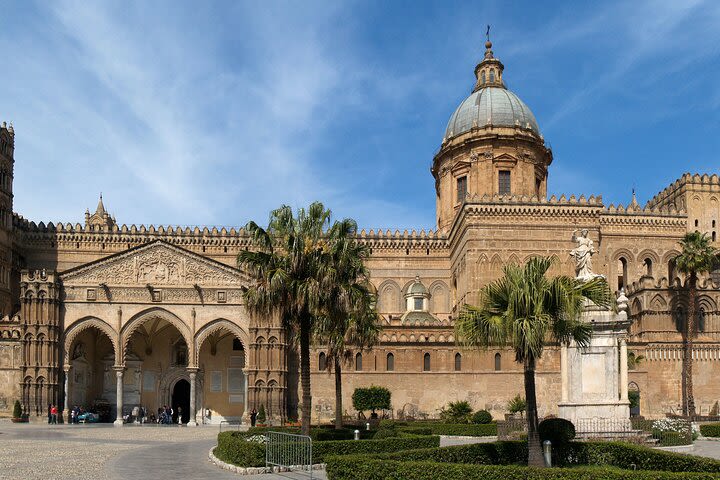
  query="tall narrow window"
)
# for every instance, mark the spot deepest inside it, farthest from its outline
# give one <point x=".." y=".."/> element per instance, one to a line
<point x="538" y="187"/>
<point x="498" y="362"/>
<point x="418" y="303"/>
<point x="680" y="319"/>
<point x="648" y="267"/>
<point x="426" y="362"/>
<point x="696" y="222"/>
<point x="358" y="362"/>
<point x="622" y="273"/>
<point x="492" y="76"/>
<point x="390" y="364"/>
<point x="701" y="320"/>
<point x="482" y="76"/>
<point x="458" y="362"/>
<point x="671" y="271"/>
<point x="322" y="362"/>
<point x="461" y="189"/>
<point x="504" y="182"/>
<point x="713" y="224"/>
<point x="713" y="236"/>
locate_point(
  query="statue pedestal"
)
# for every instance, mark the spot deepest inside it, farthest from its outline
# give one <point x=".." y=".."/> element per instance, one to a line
<point x="594" y="378"/>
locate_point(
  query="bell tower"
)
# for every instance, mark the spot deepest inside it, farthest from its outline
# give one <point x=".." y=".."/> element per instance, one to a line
<point x="7" y="162"/>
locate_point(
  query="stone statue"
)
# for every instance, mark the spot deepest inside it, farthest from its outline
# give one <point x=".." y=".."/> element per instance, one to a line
<point x="582" y="254"/>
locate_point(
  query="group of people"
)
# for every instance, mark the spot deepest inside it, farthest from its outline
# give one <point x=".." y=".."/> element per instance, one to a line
<point x="75" y="413"/>
<point x="166" y="413"/>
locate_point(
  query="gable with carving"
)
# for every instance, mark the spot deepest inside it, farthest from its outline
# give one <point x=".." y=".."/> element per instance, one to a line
<point x="158" y="264"/>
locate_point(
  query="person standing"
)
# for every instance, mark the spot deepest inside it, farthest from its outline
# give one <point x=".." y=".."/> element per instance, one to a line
<point x="179" y="414"/>
<point x="253" y="417"/>
<point x="53" y="414"/>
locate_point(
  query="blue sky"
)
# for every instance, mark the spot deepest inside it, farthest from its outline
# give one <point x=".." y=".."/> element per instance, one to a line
<point x="213" y="113"/>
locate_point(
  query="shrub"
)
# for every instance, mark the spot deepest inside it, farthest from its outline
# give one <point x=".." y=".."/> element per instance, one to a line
<point x="496" y="453"/>
<point x="482" y="417"/>
<point x="436" y="428"/>
<point x="234" y="447"/>
<point x="456" y="412"/>
<point x="322" y="450"/>
<point x="710" y="430"/>
<point x="261" y="417"/>
<point x="628" y="456"/>
<point x="17" y="409"/>
<point x="371" y="398"/>
<point x="385" y="433"/>
<point x="416" y="430"/>
<point x="672" y="431"/>
<point x="558" y="430"/>
<point x="517" y="405"/>
<point x="357" y="468"/>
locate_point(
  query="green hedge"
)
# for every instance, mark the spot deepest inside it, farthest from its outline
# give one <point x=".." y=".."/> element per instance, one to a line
<point x="437" y="428"/>
<point x="496" y="453"/>
<point x="710" y="430"/>
<point x="320" y="434"/>
<point x="233" y="448"/>
<point x="362" y="468"/>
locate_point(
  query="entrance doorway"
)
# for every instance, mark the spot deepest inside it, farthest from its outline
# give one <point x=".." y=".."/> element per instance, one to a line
<point x="181" y="398"/>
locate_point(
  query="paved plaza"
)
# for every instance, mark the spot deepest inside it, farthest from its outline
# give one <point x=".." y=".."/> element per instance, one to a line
<point x="104" y="452"/>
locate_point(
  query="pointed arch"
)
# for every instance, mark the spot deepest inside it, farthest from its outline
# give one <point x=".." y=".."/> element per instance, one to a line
<point x="216" y="326"/>
<point x="390" y="297"/>
<point x="439" y="297"/>
<point x="83" y="324"/>
<point x="658" y="302"/>
<point x="140" y="318"/>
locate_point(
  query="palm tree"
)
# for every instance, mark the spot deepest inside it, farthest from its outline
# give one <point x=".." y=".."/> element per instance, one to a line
<point x="524" y="309"/>
<point x="698" y="256"/>
<point x="287" y="268"/>
<point x="633" y="360"/>
<point x="351" y="319"/>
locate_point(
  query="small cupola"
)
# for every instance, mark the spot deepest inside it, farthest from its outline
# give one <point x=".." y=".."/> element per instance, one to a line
<point x="489" y="71"/>
<point x="417" y="297"/>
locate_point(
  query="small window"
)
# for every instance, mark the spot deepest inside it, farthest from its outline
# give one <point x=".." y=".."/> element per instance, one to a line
<point x="458" y="362"/>
<point x="461" y="189"/>
<point x="538" y="187"/>
<point x="713" y="224"/>
<point x="648" y="267"/>
<point x="418" y="303"/>
<point x="498" y="362"/>
<point x="696" y="222"/>
<point x="482" y="76"/>
<point x="390" y="363"/>
<point x="622" y="273"/>
<point x="504" y="182"/>
<point x="492" y="76"/>
<point x="680" y="319"/>
<point x="358" y="362"/>
<point x="701" y="320"/>
<point x="237" y="344"/>
<point x="322" y="362"/>
<point x="671" y="271"/>
<point x="426" y="362"/>
<point x="713" y="237"/>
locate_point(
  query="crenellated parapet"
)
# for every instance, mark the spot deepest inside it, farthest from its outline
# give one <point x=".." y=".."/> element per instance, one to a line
<point x="670" y="195"/>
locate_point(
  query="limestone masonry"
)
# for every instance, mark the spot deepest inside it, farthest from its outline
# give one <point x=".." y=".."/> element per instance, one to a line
<point x="114" y="317"/>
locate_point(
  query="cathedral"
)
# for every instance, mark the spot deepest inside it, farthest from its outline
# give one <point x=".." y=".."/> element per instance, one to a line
<point x="112" y="317"/>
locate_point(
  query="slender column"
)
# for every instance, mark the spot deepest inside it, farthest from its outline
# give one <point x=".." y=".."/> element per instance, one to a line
<point x="192" y="422"/>
<point x="564" y="372"/>
<point x="66" y="390"/>
<point x="623" y="371"/>
<point x="119" y="403"/>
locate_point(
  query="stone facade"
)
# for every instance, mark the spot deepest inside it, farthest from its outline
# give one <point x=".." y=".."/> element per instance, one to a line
<point x="104" y="313"/>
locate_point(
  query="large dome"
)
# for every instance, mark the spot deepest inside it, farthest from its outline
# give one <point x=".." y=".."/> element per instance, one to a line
<point x="491" y="106"/>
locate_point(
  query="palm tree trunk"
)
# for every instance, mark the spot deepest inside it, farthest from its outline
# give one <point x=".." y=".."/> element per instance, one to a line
<point x="535" y="458"/>
<point x="338" y="394"/>
<point x="690" y="326"/>
<point x="305" y="374"/>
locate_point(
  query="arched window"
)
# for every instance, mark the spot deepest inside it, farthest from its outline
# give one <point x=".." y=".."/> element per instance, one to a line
<point x="622" y="273"/>
<point x="322" y="362"/>
<point x="458" y="362"/>
<point x="492" y="76"/>
<point x="390" y="362"/>
<point x="713" y="236"/>
<point x="696" y="222"/>
<point x="648" y="267"/>
<point x="671" y="270"/>
<point x="498" y="362"/>
<point x="713" y="224"/>
<point x="482" y="76"/>
<point x="701" y="320"/>
<point x="358" y="362"/>
<point x="680" y="319"/>
<point x="426" y="362"/>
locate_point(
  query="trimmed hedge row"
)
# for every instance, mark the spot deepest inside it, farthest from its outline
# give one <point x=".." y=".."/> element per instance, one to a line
<point x="233" y="448"/>
<point x="362" y="468"/>
<point x="318" y="434"/>
<point x="615" y="454"/>
<point x="710" y="430"/>
<point x="463" y="429"/>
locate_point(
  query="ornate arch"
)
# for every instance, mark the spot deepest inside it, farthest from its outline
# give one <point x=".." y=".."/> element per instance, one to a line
<point x="439" y="286"/>
<point x="707" y="303"/>
<point x="153" y="313"/>
<point x="83" y="324"/>
<point x="622" y="252"/>
<point x="215" y="326"/>
<point x="390" y="305"/>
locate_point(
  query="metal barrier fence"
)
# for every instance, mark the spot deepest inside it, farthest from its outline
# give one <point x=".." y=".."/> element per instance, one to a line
<point x="230" y="425"/>
<point x="286" y="450"/>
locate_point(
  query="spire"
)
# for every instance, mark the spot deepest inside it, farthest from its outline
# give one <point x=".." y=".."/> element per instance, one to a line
<point x="489" y="71"/>
<point x="100" y="210"/>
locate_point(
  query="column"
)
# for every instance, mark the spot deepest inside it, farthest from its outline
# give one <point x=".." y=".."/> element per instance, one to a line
<point x="623" y="371"/>
<point x="119" y="404"/>
<point x="564" y="372"/>
<point x="193" y="374"/>
<point x="65" y="407"/>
